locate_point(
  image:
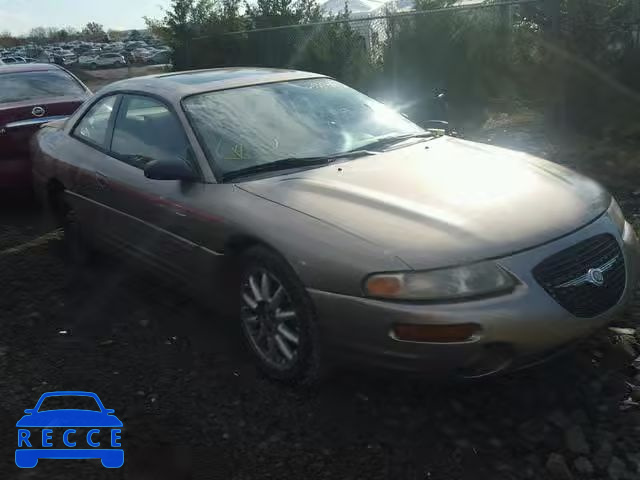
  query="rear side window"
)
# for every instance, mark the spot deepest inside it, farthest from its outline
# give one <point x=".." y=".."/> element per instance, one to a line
<point x="95" y="124"/>
<point x="20" y="86"/>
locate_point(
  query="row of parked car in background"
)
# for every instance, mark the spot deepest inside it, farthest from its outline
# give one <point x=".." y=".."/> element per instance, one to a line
<point x="90" y="55"/>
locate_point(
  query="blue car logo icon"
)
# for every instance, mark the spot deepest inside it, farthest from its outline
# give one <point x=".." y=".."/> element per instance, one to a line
<point x="74" y="427"/>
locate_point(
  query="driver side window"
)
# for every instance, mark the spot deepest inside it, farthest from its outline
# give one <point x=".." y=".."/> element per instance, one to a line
<point x="95" y="124"/>
<point x="145" y="129"/>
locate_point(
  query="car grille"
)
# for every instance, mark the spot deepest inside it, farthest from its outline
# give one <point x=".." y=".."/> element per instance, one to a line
<point x="563" y="274"/>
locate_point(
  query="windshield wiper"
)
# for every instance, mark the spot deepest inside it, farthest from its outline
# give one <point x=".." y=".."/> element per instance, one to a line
<point x="391" y="139"/>
<point x="293" y="162"/>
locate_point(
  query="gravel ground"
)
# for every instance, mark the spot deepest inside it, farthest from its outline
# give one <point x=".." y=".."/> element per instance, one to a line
<point x="193" y="406"/>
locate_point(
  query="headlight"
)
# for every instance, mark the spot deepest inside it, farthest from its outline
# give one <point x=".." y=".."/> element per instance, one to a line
<point x="616" y="215"/>
<point x="484" y="278"/>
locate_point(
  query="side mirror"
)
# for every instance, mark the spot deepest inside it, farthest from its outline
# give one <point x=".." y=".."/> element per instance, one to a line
<point x="29" y="411"/>
<point x="176" y="169"/>
<point x="109" y="411"/>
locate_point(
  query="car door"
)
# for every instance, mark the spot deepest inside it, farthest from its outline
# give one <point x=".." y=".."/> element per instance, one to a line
<point x="86" y="152"/>
<point x="147" y="216"/>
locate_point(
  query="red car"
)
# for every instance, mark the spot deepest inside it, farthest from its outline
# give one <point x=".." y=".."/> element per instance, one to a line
<point x="31" y="95"/>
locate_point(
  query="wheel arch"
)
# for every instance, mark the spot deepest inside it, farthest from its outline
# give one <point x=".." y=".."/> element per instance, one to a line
<point x="237" y="245"/>
<point x="53" y="200"/>
<point x="54" y="186"/>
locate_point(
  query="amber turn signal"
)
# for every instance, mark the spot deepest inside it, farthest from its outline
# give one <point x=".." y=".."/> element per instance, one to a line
<point x="384" y="286"/>
<point x="436" y="333"/>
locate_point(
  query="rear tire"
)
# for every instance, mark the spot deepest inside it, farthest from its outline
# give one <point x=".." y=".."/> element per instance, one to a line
<point x="278" y="319"/>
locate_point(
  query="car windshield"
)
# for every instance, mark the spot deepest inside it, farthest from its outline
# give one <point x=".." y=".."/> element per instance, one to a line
<point x="65" y="402"/>
<point x="17" y="87"/>
<point x="256" y="125"/>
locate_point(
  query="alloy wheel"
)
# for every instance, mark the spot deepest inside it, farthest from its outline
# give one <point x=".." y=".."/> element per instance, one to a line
<point x="269" y="319"/>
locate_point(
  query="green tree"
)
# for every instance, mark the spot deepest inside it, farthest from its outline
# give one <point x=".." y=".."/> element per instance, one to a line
<point x="93" y="31"/>
<point x="485" y="58"/>
<point x="602" y="62"/>
<point x="279" y="47"/>
<point x="8" y="40"/>
<point x="38" y="35"/>
<point x="473" y="55"/>
<point x="63" y="35"/>
<point x="340" y="49"/>
<point x="183" y="23"/>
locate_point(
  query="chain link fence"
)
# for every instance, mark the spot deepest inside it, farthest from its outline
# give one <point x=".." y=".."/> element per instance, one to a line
<point x="486" y="55"/>
<point x="477" y="52"/>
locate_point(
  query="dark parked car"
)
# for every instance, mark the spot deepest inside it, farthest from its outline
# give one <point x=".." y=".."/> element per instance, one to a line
<point x="31" y="95"/>
<point x="158" y="58"/>
<point x="13" y="60"/>
<point x="340" y="229"/>
<point x="107" y="60"/>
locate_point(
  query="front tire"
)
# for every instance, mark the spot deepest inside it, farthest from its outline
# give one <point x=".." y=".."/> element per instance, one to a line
<point x="278" y="319"/>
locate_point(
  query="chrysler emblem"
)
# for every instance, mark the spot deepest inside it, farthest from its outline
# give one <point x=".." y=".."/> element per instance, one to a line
<point x="594" y="276"/>
<point x="37" y="111"/>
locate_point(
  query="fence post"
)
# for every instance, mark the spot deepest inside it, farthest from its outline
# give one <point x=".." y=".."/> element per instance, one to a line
<point x="187" y="53"/>
<point x="636" y="24"/>
<point x="506" y="16"/>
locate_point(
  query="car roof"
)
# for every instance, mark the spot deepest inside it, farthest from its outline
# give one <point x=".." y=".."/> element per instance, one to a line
<point x="29" y="67"/>
<point x="175" y="86"/>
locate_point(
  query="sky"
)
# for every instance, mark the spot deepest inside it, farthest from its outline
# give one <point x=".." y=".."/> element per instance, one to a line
<point x="20" y="16"/>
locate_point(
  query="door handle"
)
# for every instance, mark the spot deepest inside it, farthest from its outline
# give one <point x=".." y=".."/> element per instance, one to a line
<point x="102" y="181"/>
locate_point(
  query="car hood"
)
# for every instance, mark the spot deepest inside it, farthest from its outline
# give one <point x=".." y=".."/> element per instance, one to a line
<point x="69" y="418"/>
<point x="443" y="202"/>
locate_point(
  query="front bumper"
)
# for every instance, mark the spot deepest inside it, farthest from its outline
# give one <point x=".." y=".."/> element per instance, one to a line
<point x="518" y="329"/>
